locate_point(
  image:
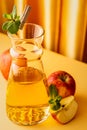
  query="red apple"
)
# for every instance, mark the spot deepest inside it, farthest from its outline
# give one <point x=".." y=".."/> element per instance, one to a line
<point x="6" y="60"/>
<point x="5" y="63"/>
<point x="64" y="83"/>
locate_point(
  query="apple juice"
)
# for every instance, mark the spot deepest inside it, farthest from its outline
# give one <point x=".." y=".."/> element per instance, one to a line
<point x="27" y="98"/>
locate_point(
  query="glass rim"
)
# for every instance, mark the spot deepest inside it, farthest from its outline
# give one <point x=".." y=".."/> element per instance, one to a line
<point x="36" y="37"/>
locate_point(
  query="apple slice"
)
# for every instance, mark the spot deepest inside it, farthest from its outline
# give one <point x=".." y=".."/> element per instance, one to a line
<point x="62" y="110"/>
<point x="68" y="111"/>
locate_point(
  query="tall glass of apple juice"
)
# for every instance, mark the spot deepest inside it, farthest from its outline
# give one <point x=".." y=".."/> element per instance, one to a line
<point x="26" y="97"/>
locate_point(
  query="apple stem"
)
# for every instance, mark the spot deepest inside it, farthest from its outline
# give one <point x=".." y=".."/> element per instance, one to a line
<point x="62" y="77"/>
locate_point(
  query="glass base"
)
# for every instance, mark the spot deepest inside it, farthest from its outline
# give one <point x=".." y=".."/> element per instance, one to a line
<point x="28" y="115"/>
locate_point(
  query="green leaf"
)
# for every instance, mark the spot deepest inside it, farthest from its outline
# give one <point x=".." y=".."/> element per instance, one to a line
<point x="53" y="92"/>
<point x="8" y="16"/>
<point x="58" y="99"/>
<point x="13" y="23"/>
<point x="5" y="25"/>
<point x="18" y="18"/>
<point x="55" y="103"/>
<point x="14" y="12"/>
<point x="14" y="26"/>
<point x="11" y="26"/>
<point x="51" y="101"/>
<point x="55" y="106"/>
<point x="55" y="99"/>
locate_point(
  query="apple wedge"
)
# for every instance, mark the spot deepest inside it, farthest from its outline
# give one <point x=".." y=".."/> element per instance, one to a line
<point x="68" y="111"/>
<point x="62" y="110"/>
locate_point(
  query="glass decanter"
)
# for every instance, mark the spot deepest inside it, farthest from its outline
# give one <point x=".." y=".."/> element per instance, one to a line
<point x="26" y="97"/>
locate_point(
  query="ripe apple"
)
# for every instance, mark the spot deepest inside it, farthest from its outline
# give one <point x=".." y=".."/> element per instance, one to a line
<point x="64" y="83"/>
<point x="6" y="60"/>
<point x="67" y="110"/>
<point x="5" y="63"/>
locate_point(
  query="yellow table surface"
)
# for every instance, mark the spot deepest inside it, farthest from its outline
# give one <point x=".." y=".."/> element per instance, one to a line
<point x="52" y="62"/>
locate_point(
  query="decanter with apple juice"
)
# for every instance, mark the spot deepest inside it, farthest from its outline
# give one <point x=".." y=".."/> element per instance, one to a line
<point x="27" y="98"/>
